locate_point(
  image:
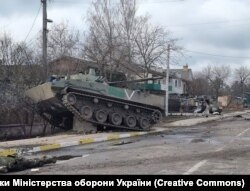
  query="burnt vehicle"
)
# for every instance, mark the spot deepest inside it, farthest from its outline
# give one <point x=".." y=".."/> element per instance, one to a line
<point x="84" y="99"/>
<point x="204" y="102"/>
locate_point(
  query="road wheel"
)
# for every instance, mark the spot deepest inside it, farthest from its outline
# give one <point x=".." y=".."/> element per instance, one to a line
<point x="130" y="121"/>
<point x="144" y="123"/>
<point x="115" y="118"/>
<point x="86" y="112"/>
<point x="101" y="116"/>
<point x="71" y="98"/>
<point x="156" y="116"/>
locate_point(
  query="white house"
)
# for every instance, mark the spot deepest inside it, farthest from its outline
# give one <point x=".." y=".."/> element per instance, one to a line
<point x="179" y="80"/>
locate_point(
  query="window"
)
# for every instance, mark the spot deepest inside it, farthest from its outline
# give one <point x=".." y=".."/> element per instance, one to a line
<point x="176" y="83"/>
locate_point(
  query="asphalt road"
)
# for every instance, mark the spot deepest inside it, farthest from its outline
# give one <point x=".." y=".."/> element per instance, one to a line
<point x="213" y="148"/>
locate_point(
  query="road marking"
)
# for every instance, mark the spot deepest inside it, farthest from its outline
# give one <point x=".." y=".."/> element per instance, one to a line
<point x="220" y="149"/>
<point x="242" y="132"/>
<point x="60" y="161"/>
<point x="83" y="156"/>
<point x="163" y="172"/>
<point x="196" y="167"/>
<point x="232" y="140"/>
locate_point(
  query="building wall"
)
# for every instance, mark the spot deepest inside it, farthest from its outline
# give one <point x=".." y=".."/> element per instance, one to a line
<point x="63" y="67"/>
<point x="224" y="100"/>
<point x="69" y="65"/>
<point x="177" y="86"/>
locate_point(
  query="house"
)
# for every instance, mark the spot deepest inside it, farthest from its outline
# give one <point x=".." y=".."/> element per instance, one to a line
<point x="69" y="65"/>
<point x="247" y="99"/>
<point x="179" y="80"/>
<point x="224" y="101"/>
<point x="232" y="102"/>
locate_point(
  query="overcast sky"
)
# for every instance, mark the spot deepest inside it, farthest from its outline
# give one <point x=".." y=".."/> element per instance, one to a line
<point x="212" y="32"/>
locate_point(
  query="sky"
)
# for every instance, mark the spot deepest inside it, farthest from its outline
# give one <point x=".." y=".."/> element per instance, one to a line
<point x="211" y="32"/>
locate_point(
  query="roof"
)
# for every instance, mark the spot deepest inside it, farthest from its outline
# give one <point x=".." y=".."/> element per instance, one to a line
<point x="136" y="69"/>
<point x="139" y="69"/>
<point x="185" y="73"/>
<point x="74" y="59"/>
<point x="70" y="65"/>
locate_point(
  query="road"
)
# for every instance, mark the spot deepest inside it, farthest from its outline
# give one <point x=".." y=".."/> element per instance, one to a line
<point x="214" y="148"/>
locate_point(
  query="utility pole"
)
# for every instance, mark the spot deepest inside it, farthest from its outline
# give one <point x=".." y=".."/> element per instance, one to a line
<point x="243" y="93"/>
<point x="45" y="31"/>
<point x="167" y="81"/>
<point x="45" y="65"/>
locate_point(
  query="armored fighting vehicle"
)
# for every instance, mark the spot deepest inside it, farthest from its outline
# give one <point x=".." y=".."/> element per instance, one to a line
<point x="76" y="101"/>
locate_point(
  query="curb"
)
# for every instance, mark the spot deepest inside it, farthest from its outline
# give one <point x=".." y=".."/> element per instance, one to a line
<point x="114" y="136"/>
<point x="82" y="141"/>
<point x="89" y="140"/>
<point x="9" y="152"/>
<point x="196" y="121"/>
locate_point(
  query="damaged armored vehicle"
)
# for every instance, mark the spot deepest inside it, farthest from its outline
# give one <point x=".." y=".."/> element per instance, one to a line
<point x="86" y="99"/>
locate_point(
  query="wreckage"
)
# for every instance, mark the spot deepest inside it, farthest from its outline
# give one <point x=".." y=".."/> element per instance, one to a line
<point x="209" y="104"/>
<point x="80" y="100"/>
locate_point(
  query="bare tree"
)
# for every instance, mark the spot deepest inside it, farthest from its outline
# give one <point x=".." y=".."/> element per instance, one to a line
<point x="102" y="43"/>
<point x="118" y="38"/>
<point x="63" y="41"/>
<point x="152" y="44"/>
<point x="217" y="76"/>
<point x="17" y="73"/>
<point x="200" y="85"/>
<point x="242" y="74"/>
<point x="127" y="27"/>
<point x="13" y="58"/>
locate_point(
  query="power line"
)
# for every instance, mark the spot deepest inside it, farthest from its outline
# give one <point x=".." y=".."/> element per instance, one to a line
<point x="160" y="2"/>
<point x="210" y="23"/>
<point x="33" y="23"/>
<point x="139" y="2"/>
<point x="217" y="55"/>
<point x="70" y="2"/>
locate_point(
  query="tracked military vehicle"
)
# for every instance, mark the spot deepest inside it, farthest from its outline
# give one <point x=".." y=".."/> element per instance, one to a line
<point x="82" y="99"/>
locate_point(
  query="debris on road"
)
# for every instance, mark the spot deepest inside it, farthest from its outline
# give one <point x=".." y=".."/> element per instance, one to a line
<point x="122" y="143"/>
<point x="197" y="140"/>
<point x="239" y="116"/>
<point x="66" y="157"/>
